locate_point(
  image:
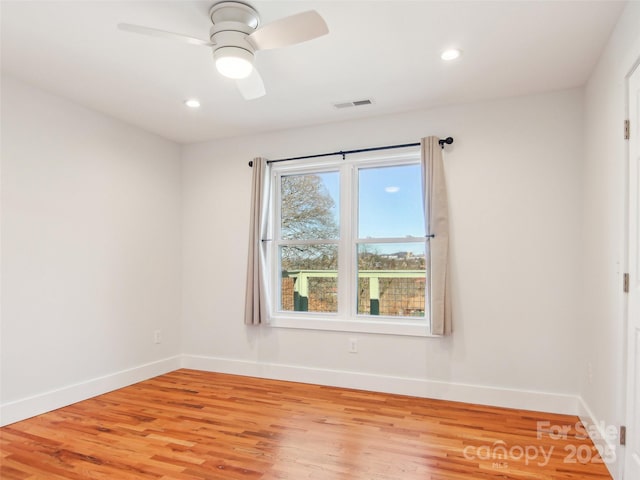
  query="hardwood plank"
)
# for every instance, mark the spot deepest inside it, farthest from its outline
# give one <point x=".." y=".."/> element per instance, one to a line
<point x="192" y="425"/>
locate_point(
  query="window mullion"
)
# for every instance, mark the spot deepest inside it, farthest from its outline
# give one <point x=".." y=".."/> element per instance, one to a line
<point x="319" y="241"/>
<point x="345" y="270"/>
<point x="353" y="238"/>
<point x="391" y="240"/>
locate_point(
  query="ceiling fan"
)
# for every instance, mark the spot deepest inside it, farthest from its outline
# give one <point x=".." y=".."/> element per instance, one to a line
<point x="236" y="36"/>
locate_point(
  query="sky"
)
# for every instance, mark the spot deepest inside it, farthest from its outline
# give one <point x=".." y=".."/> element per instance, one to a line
<point x="390" y="202"/>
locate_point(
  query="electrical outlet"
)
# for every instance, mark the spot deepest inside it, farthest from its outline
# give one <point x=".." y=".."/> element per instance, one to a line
<point x="353" y="345"/>
<point x="157" y="336"/>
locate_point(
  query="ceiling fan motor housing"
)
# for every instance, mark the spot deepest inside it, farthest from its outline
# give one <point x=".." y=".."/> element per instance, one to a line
<point x="235" y="12"/>
<point x="232" y="24"/>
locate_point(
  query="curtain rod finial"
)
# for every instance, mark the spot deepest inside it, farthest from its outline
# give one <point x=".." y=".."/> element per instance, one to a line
<point x="448" y="141"/>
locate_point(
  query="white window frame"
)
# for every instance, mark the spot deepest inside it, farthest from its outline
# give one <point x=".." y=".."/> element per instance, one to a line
<point x="346" y="319"/>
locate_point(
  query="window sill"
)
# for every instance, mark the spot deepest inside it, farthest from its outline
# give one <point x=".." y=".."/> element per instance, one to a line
<point x="386" y="327"/>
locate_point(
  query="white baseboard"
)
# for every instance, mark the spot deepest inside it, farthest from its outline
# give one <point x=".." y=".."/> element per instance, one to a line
<point x="479" y="394"/>
<point x="45" y="402"/>
<point x="607" y="445"/>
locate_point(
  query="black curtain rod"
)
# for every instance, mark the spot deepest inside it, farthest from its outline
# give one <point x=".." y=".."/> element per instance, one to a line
<point x="442" y="141"/>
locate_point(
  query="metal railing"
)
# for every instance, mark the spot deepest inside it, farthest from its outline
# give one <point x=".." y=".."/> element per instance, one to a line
<point x="380" y="292"/>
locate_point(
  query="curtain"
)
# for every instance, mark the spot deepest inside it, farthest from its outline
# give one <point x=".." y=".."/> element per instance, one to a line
<point x="257" y="294"/>
<point x="434" y="192"/>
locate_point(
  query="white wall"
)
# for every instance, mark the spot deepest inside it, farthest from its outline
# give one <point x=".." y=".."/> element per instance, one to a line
<point x="514" y="185"/>
<point x="90" y="251"/>
<point x="603" y="258"/>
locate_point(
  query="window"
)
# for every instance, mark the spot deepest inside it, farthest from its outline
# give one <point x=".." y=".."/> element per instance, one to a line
<point x="348" y="245"/>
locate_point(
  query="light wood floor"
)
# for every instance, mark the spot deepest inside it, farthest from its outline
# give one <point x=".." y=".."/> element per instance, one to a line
<point x="191" y="425"/>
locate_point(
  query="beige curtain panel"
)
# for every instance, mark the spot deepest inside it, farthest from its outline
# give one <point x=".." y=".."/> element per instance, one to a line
<point x="436" y="214"/>
<point x="256" y="306"/>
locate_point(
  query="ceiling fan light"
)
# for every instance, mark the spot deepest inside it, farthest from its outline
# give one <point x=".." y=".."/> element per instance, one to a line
<point x="234" y="62"/>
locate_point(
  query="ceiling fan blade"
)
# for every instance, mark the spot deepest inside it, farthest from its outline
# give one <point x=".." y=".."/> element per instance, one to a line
<point x="251" y="87"/>
<point x="287" y="31"/>
<point x="155" y="32"/>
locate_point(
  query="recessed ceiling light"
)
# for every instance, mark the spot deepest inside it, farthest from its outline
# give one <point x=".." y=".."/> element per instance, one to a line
<point x="450" y="54"/>
<point x="192" y="103"/>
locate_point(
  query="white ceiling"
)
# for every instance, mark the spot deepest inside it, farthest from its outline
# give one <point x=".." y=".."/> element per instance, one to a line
<point x="387" y="51"/>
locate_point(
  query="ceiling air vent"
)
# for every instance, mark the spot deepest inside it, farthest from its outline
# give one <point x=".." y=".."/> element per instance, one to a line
<point x="356" y="103"/>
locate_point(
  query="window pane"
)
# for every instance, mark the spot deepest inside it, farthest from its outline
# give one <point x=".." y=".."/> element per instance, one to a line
<point x="309" y="278"/>
<point x="391" y="279"/>
<point x="310" y="206"/>
<point x="390" y="202"/>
